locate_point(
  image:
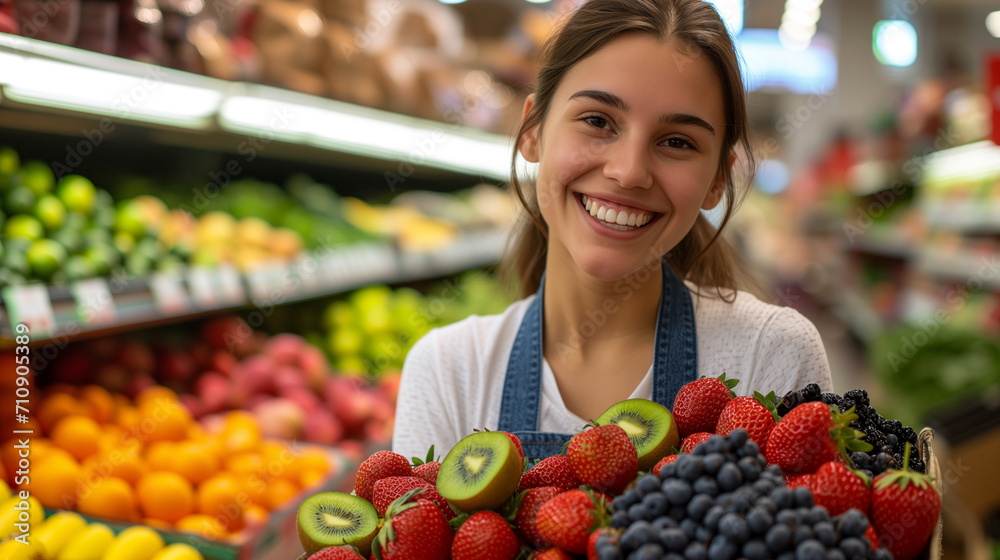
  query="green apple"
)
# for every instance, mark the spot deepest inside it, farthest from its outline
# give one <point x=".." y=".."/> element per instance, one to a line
<point x="345" y="341"/>
<point x="37" y="176"/>
<point x="24" y="226"/>
<point x="128" y="218"/>
<point x="51" y="212"/>
<point x="77" y="193"/>
<point x="9" y="161"/>
<point x="339" y="314"/>
<point x="45" y="257"/>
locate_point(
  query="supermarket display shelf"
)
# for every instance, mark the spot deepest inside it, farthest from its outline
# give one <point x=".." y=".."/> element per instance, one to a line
<point x="46" y="87"/>
<point x="853" y="310"/>
<point x="976" y="270"/>
<point x="890" y="248"/>
<point x="100" y="306"/>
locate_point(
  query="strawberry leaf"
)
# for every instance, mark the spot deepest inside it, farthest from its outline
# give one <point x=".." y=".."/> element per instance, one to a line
<point x="768" y="401"/>
<point x="905" y="476"/>
<point x="417" y="461"/>
<point x="730" y="383"/>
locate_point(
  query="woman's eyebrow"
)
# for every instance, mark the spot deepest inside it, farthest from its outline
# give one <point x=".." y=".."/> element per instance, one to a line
<point x="608" y="98"/>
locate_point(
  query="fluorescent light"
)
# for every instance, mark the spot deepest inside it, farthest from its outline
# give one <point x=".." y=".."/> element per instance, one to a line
<point x="993" y="23"/>
<point x="971" y="163"/>
<point x="894" y="42"/>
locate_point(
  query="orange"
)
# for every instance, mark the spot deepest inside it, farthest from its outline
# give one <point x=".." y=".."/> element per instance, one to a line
<point x="203" y="525"/>
<point x="160" y="455"/>
<point x="280" y="492"/>
<point x="55" y="407"/>
<point x="310" y="459"/>
<point x="244" y="463"/>
<point x="165" y="496"/>
<point x="101" y="404"/>
<point x="221" y="497"/>
<point x="310" y="478"/>
<point x="255" y="515"/>
<point x="128" y="418"/>
<point x="157" y="524"/>
<point x="54" y="480"/>
<point x="240" y="432"/>
<point x="79" y="435"/>
<point x="124" y="463"/>
<point x="163" y="420"/>
<point x="194" y="461"/>
<point x="108" y="497"/>
<point x="254" y="485"/>
<point x="151" y="395"/>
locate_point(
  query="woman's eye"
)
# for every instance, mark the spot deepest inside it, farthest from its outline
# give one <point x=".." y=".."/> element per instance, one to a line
<point x="596" y="122"/>
<point x="678" y="144"/>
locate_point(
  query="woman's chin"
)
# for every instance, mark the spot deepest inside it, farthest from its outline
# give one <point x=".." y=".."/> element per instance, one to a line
<point x="613" y="270"/>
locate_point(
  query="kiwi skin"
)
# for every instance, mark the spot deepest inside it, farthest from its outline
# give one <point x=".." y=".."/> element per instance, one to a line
<point x="495" y="493"/>
<point x="363" y="542"/>
<point x="651" y="412"/>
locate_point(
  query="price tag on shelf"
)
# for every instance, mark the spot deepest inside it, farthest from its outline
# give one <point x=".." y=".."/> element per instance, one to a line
<point x="307" y="268"/>
<point x="94" y="305"/>
<point x="269" y="282"/>
<point x="31" y="306"/>
<point x="168" y="292"/>
<point x="202" y="285"/>
<point x="229" y="285"/>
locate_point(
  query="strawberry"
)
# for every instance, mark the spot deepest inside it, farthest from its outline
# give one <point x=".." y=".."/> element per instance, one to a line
<point x="604" y="458"/>
<point x="517" y="444"/>
<point x="698" y="404"/>
<point x="839" y="489"/>
<point x="380" y="465"/>
<point x="664" y="461"/>
<point x="550" y="471"/>
<point x="337" y="553"/>
<point x="566" y="520"/>
<point x="428" y="467"/>
<point x="757" y="415"/>
<point x="550" y="554"/>
<point x="872" y="536"/>
<point x="796" y="480"/>
<point x="485" y="535"/>
<point x="612" y="536"/>
<point x="694" y="440"/>
<point x="526" y="517"/>
<point x="811" y="434"/>
<point x="413" y="530"/>
<point x="905" y="510"/>
<point x="390" y="488"/>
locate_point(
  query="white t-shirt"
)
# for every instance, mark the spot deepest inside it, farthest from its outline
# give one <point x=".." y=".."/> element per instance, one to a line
<point x="453" y="377"/>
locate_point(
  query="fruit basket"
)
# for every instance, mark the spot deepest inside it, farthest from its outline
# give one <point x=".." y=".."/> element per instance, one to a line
<point x="925" y="448"/>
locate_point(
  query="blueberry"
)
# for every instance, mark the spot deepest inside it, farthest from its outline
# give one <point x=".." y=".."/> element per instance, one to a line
<point x="825" y="533"/>
<point x="636" y="512"/>
<point x="611" y="553"/>
<point x="862" y="460"/>
<point x="654" y="505"/>
<point x="724" y="499"/>
<point x="668" y="471"/>
<point x="810" y="550"/>
<point x="706" y="485"/>
<point x="749" y="449"/>
<point x="729" y="478"/>
<point x="715" y="444"/>
<point x="677" y="512"/>
<point x="818" y="514"/>
<point x="764" y="486"/>
<point x="750" y="467"/>
<point x="712" y="462"/>
<point x="853" y="548"/>
<point x="734" y="527"/>
<point x="802" y="534"/>
<point x="638" y="534"/>
<point x="759" y="521"/>
<point x="778" y="538"/>
<point x="721" y="549"/>
<point x="620" y="519"/>
<point x="787" y="517"/>
<point x="738" y="437"/>
<point x="678" y="492"/>
<point x="673" y="539"/>
<point x="623" y="502"/>
<point x="695" y="551"/>
<point x="834" y="554"/>
<point x="689" y="526"/>
<point x="711" y="521"/>
<point x="699" y="506"/>
<point x="767" y="504"/>
<point x="648" y="483"/>
<point x="782" y="497"/>
<point x="671" y="556"/>
<point x="664" y="523"/>
<point x="803" y="497"/>
<point x="868" y="473"/>
<point x="650" y="551"/>
<point x="691" y="469"/>
<point x="853" y="523"/>
<point x="881" y="554"/>
<point x="755" y="550"/>
<point x="702" y="534"/>
<point x="881" y="462"/>
<point x="786" y="556"/>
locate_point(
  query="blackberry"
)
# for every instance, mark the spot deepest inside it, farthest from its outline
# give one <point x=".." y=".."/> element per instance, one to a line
<point x="811" y="392"/>
<point x="859" y="396"/>
<point x="829" y="398"/>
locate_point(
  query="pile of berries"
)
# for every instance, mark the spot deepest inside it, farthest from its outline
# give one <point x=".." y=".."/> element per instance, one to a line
<point x="887" y="437"/>
<point x="722" y="502"/>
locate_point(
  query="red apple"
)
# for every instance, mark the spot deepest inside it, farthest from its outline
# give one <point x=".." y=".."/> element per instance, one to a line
<point x="312" y="362"/>
<point x="193" y="404"/>
<point x="286" y="378"/>
<point x="222" y="362"/>
<point x="280" y="418"/>
<point x="175" y="365"/>
<point x="215" y="391"/>
<point x="388" y="383"/>
<point x="256" y="375"/>
<point x="225" y="333"/>
<point x="322" y="427"/>
<point x="136" y="356"/>
<point x="284" y="348"/>
<point x="74" y="367"/>
<point x="201" y="353"/>
<point x="304" y="398"/>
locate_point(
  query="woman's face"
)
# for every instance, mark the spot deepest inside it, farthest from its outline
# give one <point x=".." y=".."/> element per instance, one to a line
<point x="633" y="136"/>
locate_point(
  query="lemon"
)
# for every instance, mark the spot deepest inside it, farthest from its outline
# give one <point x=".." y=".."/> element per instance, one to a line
<point x="37" y="176"/>
<point x="77" y="193"/>
<point x="25" y="227"/>
<point x="45" y="257"/>
<point x="51" y="212"/>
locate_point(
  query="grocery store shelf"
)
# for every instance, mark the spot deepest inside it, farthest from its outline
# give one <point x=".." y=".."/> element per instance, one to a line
<point x="39" y="79"/>
<point x="979" y="271"/>
<point x="890" y="248"/>
<point x="107" y="305"/>
<point x="857" y="314"/>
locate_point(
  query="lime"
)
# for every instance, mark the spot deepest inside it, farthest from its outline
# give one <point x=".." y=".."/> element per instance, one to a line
<point x="19" y="200"/>
<point x="75" y="220"/>
<point x="103" y="258"/>
<point x="45" y="257"/>
<point x="96" y="236"/>
<point x="69" y="238"/>
<point x="77" y="193"/>
<point x="78" y="267"/>
<point x="128" y="218"/>
<point x="9" y="160"/>
<point x="24" y="226"/>
<point x="104" y="217"/>
<point x="345" y="341"/>
<point x="37" y="176"/>
<point x="124" y="242"/>
<point x="138" y="264"/>
<point x="339" y="314"/>
<point x="352" y="364"/>
<point x="51" y="212"/>
<point x="376" y="320"/>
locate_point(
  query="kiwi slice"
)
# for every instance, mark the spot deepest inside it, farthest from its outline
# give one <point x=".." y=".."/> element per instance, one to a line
<point x="649" y="425"/>
<point x="481" y="472"/>
<point x="333" y="519"/>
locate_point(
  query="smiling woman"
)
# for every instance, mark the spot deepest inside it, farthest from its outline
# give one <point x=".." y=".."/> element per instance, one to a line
<point x="629" y="292"/>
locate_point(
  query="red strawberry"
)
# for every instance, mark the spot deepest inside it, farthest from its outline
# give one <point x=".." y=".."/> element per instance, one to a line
<point x="550" y="471"/>
<point x="484" y="536"/>
<point x="664" y="461"/>
<point x="428" y="471"/>
<point x="905" y="510"/>
<point x="380" y="465"/>
<point x="525" y="520"/>
<point x="838" y="489"/>
<point x="604" y="458"/>
<point x="517" y="444"/>
<point x="567" y="519"/>
<point x="550" y="554"/>
<point x="796" y="480"/>
<point x="811" y="434"/>
<point x="698" y="404"/>
<point x="757" y="415"/>
<point x="872" y="536"/>
<point x="413" y="530"/>
<point x="389" y="489"/>
<point x="592" y="541"/>
<point x="337" y="553"/>
<point x="694" y="440"/>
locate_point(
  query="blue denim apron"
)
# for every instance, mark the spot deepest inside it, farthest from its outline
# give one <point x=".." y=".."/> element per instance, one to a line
<point x="675" y="362"/>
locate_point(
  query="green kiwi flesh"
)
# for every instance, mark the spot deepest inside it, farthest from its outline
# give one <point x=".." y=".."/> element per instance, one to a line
<point x="482" y="471"/>
<point x="649" y="425"/>
<point x="333" y="519"/>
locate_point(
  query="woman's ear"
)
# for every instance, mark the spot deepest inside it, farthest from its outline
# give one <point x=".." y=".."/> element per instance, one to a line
<point x="528" y="144"/>
<point x="718" y="187"/>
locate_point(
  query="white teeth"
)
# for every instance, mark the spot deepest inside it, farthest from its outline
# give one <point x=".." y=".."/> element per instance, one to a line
<point x="622" y="219"/>
<point x="601" y="213"/>
<point x="631" y="219"/>
<point x="610" y="217"/>
<point x="615" y="219"/>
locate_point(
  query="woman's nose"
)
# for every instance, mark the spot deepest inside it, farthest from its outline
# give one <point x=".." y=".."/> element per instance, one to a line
<point x="628" y="164"/>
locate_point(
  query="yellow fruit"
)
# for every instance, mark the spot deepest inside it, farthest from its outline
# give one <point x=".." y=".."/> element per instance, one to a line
<point x="165" y="495"/>
<point x="14" y="550"/>
<point x="57" y="530"/>
<point x="4" y="490"/>
<point x="88" y="544"/>
<point x="54" y="482"/>
<point x="30" y="512"/>
<point x="80" y="435"/>
<point x="194" y="461"/>
<point x="110" y="498"/>
<point x="203" y="525"/>
<point x="177" y="551"/>
<point x="134" y="543"/>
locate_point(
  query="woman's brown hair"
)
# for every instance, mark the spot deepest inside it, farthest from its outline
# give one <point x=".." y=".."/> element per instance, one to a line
<point x="703" y="256"/>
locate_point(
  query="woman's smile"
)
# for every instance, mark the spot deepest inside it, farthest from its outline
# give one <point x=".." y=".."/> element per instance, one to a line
<point x="614" y="219"/>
